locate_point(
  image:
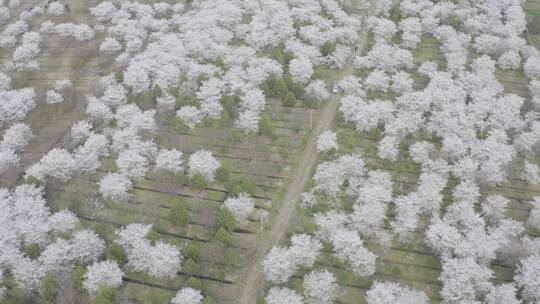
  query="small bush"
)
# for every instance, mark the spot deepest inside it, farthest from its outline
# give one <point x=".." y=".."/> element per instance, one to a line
<point x="226" y="219"/>
<point x="266" y="127"/>
<point x="78" y="277"/>
<point x="280" y="89"/>
<point x="30" y="180"/>
<point x="230" y="104"/>
<point x="182" y="178"/>
<point x="219" y="62"/>
<point x="296" y="88"/>
<point x="160" y="226"/>
<point x="328" y="48"/>
<point x="192" y="251"/>
<point x="277" y="55"/>
<point x="146" y="100"/>
<point x="198" y="182"/>
<point x="32" y="251"/>
<point x="191" y="267"/>
<point x="224" y="120"/>
<point x="241" y="185"/>
<point x="102" y="230"/>
<point x="274" y="87"/>
<point x="265" y="87"/>
<point x="153" y="236"/>
<point x="178" y="125"/>
<point x="224" y="236"/>
<point x="195" y="283"/>
<point x="236" y="190"/>
<point x="179" y="214"/>
<point x="290" y="100"/>
<point x="117" y="253"/>
<point x="49" y="288"/>
<point x="223" y="173"/>
<point x="105" y="295"/>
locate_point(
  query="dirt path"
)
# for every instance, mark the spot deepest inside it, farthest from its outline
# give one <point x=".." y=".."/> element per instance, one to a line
<point x="251" y="287"/>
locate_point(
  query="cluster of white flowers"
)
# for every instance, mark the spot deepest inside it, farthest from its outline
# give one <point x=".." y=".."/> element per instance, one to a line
<point x="24" y="56"/>
<point x="190" y="115"/>
<point x="186" y="44"/>
<point x="4" y="15"/>
<point x="252" y="104"/>
<point x="317" y="89"/>
<point x="160" y="260"/>
<point x="386" y="57"/>
<point x="527" y="278"/>
<point x="91" y="146"/>
<point x="388" y="292"/>
<point x="80" y="32"/>
<point x="57" y="163"/>
<point x="327" y="141"/>
<point x="348" y="246"/>
<point x="110" y="45"/>
<point x="187" y="296"/>
<point x="204" y="163"/>
<point x="15" y="138"/>
<point x="115" y="186"/>
<point x="241" y="207"/>
<point x="131" y="130"/>
<point x="452" y="116"/>
<point x="301" y="70"/>
<point x="56" y="8"/>
<point x="281" y="263"/>
<point x="169" y="160"/>
<point x="330" y="175"/>
<point x="320" y="287"/>
<point x="106" y="273"/>
<point x="481" y="130"/>
<point x="282" y="295"/>
<point x="28" y="221"/>
<point x="8" y="38"/>
<point x="53" y="96"/>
